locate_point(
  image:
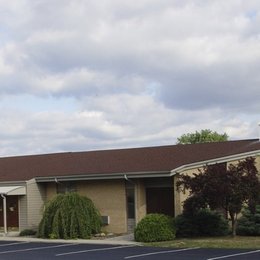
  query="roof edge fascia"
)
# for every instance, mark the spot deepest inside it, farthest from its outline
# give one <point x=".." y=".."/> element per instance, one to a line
<point x="12" y="183"/>
<point x="214" y="161"/>
<point x="113" y="176"/>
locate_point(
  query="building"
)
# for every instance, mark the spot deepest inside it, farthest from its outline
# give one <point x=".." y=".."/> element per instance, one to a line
<point x="124" y="184"/>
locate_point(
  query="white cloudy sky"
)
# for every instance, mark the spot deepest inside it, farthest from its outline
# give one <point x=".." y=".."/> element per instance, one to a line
<point x="86" y="74"/>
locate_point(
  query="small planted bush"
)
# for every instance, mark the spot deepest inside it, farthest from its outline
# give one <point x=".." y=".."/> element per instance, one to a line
<point x="27" y="232"/>
<point x="202" y="223"/>
<point x="186" y="226"/>
<point x="154" y="228"/>
<point x="249" y="223"/>
<point x="69" y="216"/>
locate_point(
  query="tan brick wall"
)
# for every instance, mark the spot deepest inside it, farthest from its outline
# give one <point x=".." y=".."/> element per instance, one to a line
<point x="179" y="196"/>
<point x="258" y="163"/>
<point x="50" y="190"/>
<point x="110" y="198"/>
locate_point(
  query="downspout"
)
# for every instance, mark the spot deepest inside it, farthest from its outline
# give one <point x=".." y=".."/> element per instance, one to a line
<point x="126" y="178"/>
<point x="4" y="214"/>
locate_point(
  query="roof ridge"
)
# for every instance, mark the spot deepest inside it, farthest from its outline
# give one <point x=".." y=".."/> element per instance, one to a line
<point x="126" y="149"/>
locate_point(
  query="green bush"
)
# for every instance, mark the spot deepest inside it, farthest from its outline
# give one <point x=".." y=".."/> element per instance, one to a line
<point x="27" y="232"/>
<point x="69" y="216"/>
<point x="203" y="223"/>
<point x="155" y="227"/>
<point x="249" y="223"/>
<point x="186" y="226"/>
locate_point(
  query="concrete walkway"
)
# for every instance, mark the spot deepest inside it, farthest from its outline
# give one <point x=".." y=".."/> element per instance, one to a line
<point x="127" y="239"/>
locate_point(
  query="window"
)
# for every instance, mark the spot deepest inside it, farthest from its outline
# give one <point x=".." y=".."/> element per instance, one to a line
<point x="130" y="195"/>
<point x="130" y="200"/>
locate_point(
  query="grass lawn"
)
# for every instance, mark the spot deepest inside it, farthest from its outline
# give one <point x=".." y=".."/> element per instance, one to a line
<point x="216" y="242"/>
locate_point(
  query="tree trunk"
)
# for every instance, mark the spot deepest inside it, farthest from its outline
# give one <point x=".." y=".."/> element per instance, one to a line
<point x="233" y="223"/>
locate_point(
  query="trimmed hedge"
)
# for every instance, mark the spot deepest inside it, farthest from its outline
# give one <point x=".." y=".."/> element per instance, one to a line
<point x="27" y="232"/>
<point x="154" y="228"/>
<point x="203" y="223"/>
<point x="69" y="216"/>
<point x="249" y="224"/>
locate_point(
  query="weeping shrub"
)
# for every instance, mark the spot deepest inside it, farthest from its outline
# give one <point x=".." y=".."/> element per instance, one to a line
<point x="69" y="216"/>
<point x="155" y="227"/>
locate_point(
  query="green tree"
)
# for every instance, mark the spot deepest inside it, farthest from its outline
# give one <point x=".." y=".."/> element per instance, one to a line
<point x="249" y="223"/>
<point x="69" y="216"/>
<point x="204" y="136"/>
<point x="220" y="187"/>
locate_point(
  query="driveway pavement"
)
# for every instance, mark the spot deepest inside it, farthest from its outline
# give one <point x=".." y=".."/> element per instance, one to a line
<point x="26" y="250"/>
<point x="117" y="248"/>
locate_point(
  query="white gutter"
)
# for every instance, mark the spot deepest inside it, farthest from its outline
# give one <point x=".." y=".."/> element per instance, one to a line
<point x="213" y="161"/>
<point x="13" y="183"/>
<point x="113" y="176"/>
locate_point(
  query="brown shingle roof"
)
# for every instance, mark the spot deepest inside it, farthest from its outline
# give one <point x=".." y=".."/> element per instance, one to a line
<point x="147" y="159"/>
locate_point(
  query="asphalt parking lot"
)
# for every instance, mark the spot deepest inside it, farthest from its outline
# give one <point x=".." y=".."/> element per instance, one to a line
<point x="37" y="250"/>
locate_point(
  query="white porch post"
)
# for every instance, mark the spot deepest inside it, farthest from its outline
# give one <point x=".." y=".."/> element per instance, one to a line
<point x="4" y="214"/>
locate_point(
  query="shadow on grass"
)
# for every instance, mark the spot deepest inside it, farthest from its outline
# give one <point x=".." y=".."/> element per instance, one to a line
<point x="238" y="242"/>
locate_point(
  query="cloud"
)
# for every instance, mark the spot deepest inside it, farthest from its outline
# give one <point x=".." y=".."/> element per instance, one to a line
<point x="110" y="73"/>
<point x="109" y="121"/>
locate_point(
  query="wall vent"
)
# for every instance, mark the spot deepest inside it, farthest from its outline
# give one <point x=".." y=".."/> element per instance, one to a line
<point x="105" y="220"/>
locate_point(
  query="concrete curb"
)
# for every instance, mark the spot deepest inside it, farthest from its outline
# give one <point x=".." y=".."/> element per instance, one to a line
<point x="121" y="240"/>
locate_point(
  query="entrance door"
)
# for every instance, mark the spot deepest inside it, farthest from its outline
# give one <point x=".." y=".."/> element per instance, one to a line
<point x="160" y="200"/>
<point x="11" y="211"/>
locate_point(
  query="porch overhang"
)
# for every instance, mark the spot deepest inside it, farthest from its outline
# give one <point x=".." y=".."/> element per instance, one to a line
<point x="227" y="159"/>
<point x="12" y="190"/>
<point x="9" y="191"/>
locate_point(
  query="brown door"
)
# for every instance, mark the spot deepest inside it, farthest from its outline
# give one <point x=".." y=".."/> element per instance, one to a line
<point x="160" y="200"/>
<point x="11" y="211"/>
